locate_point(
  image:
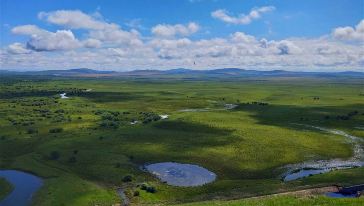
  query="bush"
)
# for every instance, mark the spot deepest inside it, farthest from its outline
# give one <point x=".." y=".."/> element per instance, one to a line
<point x="72" y="159"/>
<point x="32" y="131"/>
<point x="148" y="188"/>
<point x="54" y="155"/>
<point x="127" y="178"/>
<point x="151" y="189"/>
<point x="56" y="130"/>
<point x="136" y="193"/>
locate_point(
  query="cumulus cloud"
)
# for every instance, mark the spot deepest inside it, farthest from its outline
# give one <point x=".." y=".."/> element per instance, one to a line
<point x="43" y="40"/>
<point x="52" y="41"/>
<point x="28" y="30"/>
<point x="98" y="28"/>
<point x="92" y="43"/>
<point x="166" y="30"/>
<point x="349" y="33"/>
<point x="170" y="47"/>
<point x="73" y="19"/>
<point x="17" y="48"/>
<point x="255" y="13"/>
<point x="241" y="37"/>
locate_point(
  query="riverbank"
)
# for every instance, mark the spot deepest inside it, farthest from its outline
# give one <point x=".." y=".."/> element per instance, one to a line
<point x="5" y="188"/>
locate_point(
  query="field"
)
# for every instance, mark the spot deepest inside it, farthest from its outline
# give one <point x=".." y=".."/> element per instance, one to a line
<point x="85" y="147"/>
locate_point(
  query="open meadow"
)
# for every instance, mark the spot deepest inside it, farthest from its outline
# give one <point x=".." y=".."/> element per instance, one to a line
<point x="98" y="139"/>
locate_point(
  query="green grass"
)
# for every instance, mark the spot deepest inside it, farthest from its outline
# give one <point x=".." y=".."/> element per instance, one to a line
<point x="246" y="147"/>
<point x="287" y="200"/>
<point x="5" y="188"/>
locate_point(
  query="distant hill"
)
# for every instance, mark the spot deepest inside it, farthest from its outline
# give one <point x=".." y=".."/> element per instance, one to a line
<point x="182" y="72"/>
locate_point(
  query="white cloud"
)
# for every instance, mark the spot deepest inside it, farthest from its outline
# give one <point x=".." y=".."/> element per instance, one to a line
<point x="117" y="36"/>
<point x="104" y="45"/>
<point x="52" y="41"/>
<point x="43" y="40"/>
<point x="18" y="48"/>
<point x="166" y="30"/>
<point x="28" y="30"/>
<point x="255" y="13"/>
<point x="97" y="27"/>
<point x="241" y="37"/>
<point x="349" y="33"/>
<point x="73" y="19"/>
<point x="92" y="43"/>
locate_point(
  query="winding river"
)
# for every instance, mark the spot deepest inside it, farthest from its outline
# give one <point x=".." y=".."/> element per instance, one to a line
<point x="25" y="186"/>
<point x="305" y="169"/>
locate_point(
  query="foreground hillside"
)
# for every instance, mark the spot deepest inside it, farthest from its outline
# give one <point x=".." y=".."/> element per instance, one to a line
<point x="97" y="140"/>
<point x="284" y="200"/>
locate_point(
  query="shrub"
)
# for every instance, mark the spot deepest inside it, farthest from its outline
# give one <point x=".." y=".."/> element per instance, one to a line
<point x="32" y="131"/>
<point x="127" y="178"/>
<point x="72" y="159"/>
<point x="136" y="193"/>
<point x="148" y="188"/>
<point x="56" y="130"/>
<point x="151" y="189"/>
<point x="54" y="155"/>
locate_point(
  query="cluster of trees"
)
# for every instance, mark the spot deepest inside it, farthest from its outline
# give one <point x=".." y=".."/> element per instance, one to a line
<point x="113" y="119"/>
<point x="109" y="119"/>
<point x="148" y="117"/>
<point x="55" y="155"/>
<point x="348" y="116"/>
<point x="22" y="122"/>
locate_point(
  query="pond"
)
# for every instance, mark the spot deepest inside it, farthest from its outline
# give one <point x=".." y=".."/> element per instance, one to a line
<point x="25" y="186"/>
<point x="177" y="174"/>
<point x="340" y="195"/>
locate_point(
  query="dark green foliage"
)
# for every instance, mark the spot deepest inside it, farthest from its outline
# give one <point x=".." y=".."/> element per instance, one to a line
<point x="32" y="131"/>
<point x="136" y="193"/>
<point x="148" y="188"/>
<point x="127" y="178"/>
<point x="56" y="130"/>
<point x="72" y="159"/>
<point x="54" y="155"/>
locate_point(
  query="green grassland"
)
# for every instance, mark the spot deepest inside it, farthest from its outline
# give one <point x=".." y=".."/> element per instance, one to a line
<point x="5" y="188"/>
<point x="84" y="146"/>
<point x="284" y="200"/>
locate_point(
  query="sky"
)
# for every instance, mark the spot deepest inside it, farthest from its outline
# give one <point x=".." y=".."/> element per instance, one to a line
<point x="305" y="35"/>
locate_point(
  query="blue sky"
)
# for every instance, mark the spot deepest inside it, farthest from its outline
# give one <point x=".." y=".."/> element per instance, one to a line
<point x="279" y="22"/>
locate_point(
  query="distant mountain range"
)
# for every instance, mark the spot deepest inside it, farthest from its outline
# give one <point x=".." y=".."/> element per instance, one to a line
<point x="224" y="72"/>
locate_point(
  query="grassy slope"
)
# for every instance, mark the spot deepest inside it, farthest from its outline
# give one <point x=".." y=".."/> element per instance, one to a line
<point x="284" y="200"/>
<point x="5" y="188"/>
<point x="245" y="147"/>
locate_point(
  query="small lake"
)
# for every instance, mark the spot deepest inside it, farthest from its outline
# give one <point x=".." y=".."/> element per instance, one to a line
<point x="25" y="186"/>
<point x="340" y="195"/>
<point x="177" y="174"/>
